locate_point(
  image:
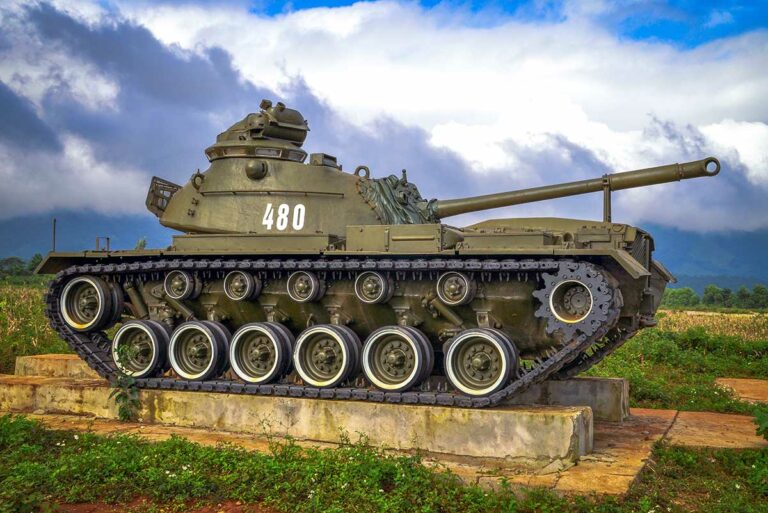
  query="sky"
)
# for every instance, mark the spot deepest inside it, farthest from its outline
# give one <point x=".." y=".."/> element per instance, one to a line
<point x="471" y="97"/>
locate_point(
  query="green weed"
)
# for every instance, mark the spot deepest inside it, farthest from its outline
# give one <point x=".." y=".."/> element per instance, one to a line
<point x="678" y="370"/>
<point x="24" y="329"/>
<point x="40" y="466"/>
<point x="126" y="395"/>
<point x="761" y="419"/>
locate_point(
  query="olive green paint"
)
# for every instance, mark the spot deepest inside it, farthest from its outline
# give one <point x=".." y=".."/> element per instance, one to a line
<point x="260" y="198"/>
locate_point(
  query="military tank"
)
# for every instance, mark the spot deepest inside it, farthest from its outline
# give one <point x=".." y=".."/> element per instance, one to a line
<point x="296" y="278"/>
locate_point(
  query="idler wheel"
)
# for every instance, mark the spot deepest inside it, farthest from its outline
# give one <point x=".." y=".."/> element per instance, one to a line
<point x="260" y="352"/>
<point x="182" y="285"/>
<point x="455" y="289"/>
<point x="88" y="304"/>
<point x="305" y="287"/>
<point x="140" y="348"/>
<point x="571" y="301"/>
<point x="396" y="358"/>
<point x="372" y="287"/>
<point x="480" y="361"/>
<point x="326" y="354"/>
<point x="198" y="350"/>
<point x="241" y="286"/>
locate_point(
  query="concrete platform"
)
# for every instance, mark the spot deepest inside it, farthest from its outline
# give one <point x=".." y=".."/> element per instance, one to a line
<point x="620" y="451"/>
<point x="542" y="437"/>
<point x="54" y="366"/>
<point x="607" y="397"/>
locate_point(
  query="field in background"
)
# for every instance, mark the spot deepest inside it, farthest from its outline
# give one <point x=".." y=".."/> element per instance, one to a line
<point x="745" y="325"/>
<point x="24" y="329"/>
<point x="673" y="366"/>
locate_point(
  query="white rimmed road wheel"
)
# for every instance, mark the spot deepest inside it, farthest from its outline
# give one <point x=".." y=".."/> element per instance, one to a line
<point x="480" y="361"/>
<point x="87" y="303"/>
<point x="140" y="348"/>
<point x="118" y="303"/>
<point x="327" y="354"/>
<point x="396" y="358"/>
<point x="260" y="352"/>
<point x="198" y="350"/>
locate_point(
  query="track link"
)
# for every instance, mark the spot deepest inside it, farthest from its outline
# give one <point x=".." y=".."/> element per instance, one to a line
<point x="94" y="347"/>
<point x="594" y="354"/>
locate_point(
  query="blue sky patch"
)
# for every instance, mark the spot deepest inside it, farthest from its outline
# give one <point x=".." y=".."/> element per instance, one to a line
<point x="683" y="23"/>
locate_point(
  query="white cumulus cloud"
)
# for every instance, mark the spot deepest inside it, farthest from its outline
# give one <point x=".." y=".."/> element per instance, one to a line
<point x="72" y="179"/>
<point x="34" y="67"/>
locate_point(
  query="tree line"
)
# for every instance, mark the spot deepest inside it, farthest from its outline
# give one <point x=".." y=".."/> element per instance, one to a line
<point x="717" y="297"/>
<point x="15" y="266"/>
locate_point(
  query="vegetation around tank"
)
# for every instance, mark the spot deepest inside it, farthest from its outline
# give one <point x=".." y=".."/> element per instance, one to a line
<point x="42" y="468"/>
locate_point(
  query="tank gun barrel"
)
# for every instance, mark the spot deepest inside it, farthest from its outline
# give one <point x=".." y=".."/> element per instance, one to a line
<point x="709" y="166"/>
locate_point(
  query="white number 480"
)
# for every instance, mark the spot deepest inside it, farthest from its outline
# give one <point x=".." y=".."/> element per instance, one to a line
<point x="283" y="213"/>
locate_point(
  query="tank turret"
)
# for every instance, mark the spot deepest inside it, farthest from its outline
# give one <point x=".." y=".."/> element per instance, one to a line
<point x="257" y="169"/>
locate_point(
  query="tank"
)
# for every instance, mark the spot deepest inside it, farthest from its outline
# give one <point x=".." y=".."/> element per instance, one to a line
<point x="293" y="277"/>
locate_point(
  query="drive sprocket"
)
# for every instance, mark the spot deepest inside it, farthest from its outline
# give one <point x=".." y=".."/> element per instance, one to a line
<point x="603" y="295"/>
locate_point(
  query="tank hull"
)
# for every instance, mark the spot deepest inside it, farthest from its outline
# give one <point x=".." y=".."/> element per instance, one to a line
<point x="507" y="266"/>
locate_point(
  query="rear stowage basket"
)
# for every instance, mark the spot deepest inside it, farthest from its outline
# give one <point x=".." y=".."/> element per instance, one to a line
<point x="159" y="194"/>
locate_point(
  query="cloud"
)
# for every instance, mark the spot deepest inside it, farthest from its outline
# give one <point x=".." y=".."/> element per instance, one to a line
<point x="467" y="106"/>
<point x="34" y="67"/>
<point x="385" y="145"/>
<point x="74" y="179"/>
<point x="168" y="107"/>
<point x="20" y="126"/>
<point x="717" y="18"/>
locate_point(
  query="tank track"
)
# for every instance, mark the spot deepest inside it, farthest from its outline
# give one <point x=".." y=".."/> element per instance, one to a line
<point x="94" y="347"/>
<point x="594" y="354"/>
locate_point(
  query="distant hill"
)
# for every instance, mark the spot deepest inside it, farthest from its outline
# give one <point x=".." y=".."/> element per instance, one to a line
<point x="732" y="257"/>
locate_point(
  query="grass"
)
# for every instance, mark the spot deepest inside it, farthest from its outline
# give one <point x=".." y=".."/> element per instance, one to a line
<point x="714" y="309"/>
<point x="677" y="370"/>
<point x="24" y="329"/>
<point x="39" y="466"/>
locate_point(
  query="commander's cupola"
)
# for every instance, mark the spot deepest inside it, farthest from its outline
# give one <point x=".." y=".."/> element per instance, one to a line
<point x="275" y="132"/>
